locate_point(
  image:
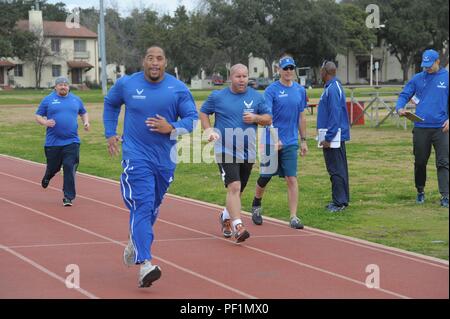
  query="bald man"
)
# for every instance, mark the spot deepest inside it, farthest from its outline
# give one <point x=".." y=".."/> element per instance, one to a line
<point x="334" y="131"/>
<point x="238" y="110"/>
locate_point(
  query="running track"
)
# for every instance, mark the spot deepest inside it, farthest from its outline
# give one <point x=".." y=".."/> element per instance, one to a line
<point x="39" y="238"/>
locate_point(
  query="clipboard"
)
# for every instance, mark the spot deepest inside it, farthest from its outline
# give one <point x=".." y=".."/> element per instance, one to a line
<point x="413" y="117"/>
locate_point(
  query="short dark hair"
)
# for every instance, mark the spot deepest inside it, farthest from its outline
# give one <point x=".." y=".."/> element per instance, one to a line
<point x="154" y="46"/>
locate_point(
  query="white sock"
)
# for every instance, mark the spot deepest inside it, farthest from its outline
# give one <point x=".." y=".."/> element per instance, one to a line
<point x="236" y="222"/>
<point x="225" y="214"/>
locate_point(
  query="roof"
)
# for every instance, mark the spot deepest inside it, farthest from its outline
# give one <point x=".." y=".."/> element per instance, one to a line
<point x="6" y="63"/>
<point x="59" y="29"/>
<point x="79" y="64"/>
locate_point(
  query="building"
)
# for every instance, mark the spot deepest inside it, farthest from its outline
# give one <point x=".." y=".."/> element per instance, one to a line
<point x="73" y="53"/>
<point x="352" y="68"/>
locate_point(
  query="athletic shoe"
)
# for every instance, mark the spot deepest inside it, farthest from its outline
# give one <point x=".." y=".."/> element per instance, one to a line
<point x="45" y="181"/>
<point x="129" y="255"/>
<point x="67" y="202"/>
<point x="241" y="233"/>
<point x="333" y="208"/>
<point x="226" y="227"/>
<point x="444" y="201"/>
<point x="296" y="223"/>
<point x="256" y="215"/>
<point x="420" y="199"/>
<point x="148" y="273"/>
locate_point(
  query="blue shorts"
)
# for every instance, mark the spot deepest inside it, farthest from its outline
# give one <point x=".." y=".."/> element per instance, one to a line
<point x="282" y="163"/>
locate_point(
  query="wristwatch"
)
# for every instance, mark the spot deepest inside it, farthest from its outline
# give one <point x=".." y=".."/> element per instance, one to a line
<point x="303" y="139"/>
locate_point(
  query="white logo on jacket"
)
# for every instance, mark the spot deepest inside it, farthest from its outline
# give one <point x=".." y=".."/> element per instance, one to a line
<point x="442" y="85"/>
<point x="139" y="96"/>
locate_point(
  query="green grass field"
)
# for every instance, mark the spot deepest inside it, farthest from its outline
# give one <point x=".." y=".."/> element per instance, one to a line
<point x="382" y="208"/>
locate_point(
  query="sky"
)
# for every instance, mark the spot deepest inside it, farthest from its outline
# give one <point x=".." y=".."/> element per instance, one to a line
<point x="125" y="6"/>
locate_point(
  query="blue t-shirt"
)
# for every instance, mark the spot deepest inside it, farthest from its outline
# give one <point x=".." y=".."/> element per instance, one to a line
<point x="286" y="104"/>
<point x="169" y="98"/>
<point x="64" y="110"/>
<point x="237" y="138"/>
<point x="432" y="92"/>
<point x="332" y="111"/>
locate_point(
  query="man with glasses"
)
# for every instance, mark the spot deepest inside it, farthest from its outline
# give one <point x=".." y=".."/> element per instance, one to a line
<point x="287" y="99"/>
<point x="334" y="131"/>
<point x="428" y="90"/>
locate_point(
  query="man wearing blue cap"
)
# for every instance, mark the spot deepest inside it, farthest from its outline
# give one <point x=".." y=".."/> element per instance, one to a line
<point x="58" y="112"/>
<point x="287" y="99"/>
<point x="428" y="90"/>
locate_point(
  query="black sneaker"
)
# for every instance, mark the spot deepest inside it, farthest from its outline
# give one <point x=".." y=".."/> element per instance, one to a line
<point x="444" y="202"/>
<point x="256" y="215"/>
<point x="45" y="181"/>
<point x="333" y="208"/>
<point x="67" y="202"/>
<point x="420" y="198"/>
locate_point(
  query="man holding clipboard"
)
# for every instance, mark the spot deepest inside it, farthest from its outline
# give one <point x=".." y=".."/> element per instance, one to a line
<point x="428" y="90"/>
<point x="333" y="132"/>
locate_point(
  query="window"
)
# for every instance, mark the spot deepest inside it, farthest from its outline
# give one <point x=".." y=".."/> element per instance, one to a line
<point x="56" y="70"/>
<point x="255" y="70"/>
<point x="18" y="70"/>
<point x="363" y="66"/>
<point x="56" y="45"/>
<point x="79" y="45"/>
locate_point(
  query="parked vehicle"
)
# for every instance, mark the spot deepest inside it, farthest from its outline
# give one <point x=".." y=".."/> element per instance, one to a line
<point x="259" y="83"/>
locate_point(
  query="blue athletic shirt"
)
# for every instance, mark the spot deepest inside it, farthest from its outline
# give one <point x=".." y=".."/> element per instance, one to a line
<point x="64" y="110"/>
<point x="432" y="92"/>
<point x="169" y="98"/>
<point x="332" y="111"/>
<point x="228" y="109"/>
<point x="286" y="104"/>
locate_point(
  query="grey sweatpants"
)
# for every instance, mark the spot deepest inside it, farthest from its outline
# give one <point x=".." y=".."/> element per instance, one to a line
<point x="423" y="139"/>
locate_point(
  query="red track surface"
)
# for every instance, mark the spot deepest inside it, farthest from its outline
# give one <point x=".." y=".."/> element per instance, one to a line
<point x="39" y="238"/>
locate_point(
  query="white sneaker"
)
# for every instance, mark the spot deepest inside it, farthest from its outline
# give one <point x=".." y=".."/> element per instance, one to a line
<point x="129" y="255"/>
<point x="148" y="273"/>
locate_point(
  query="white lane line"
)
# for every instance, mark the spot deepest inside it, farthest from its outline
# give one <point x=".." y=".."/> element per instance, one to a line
<point x="47" y="271"/>
<point x="237" y="291"/>
<point x="443" y="264"/>
<point x="255" y="249"/>
<point x="322" y="233"/>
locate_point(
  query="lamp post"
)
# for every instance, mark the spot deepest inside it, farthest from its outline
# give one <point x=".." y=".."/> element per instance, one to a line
<point x="371" y="64"/>
<point x="103" y="48"/>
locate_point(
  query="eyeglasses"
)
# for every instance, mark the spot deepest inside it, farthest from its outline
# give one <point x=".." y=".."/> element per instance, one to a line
<point x="289" y="67"/>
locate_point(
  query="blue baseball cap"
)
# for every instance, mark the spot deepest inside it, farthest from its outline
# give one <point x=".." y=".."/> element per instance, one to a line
<point x="428" y="58"/>
<point x="286" y="61"/>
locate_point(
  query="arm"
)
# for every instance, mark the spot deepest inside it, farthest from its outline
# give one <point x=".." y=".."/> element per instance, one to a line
<point x="44" y="121"/>
<point x="405" y="96"/>
<point x="112" y="105"/>
<point x="302" y="131"/>
<point x="334" y="114"/>
<point x="206" y="125"/>
<point x="85" y="119"/>
<point x="263" y="119"/>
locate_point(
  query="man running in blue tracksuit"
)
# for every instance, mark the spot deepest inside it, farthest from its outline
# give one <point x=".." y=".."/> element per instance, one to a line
<point x="332" y="120"/>
<point x="157" y="108"/>
<point x="429" y="91"/>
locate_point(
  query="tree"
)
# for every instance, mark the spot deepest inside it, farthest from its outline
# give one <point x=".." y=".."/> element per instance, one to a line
<point x="411" y="26"/>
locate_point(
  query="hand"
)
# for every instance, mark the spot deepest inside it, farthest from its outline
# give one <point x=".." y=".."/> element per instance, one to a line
<point x="401" y="112"/>
<point x="249" y="118"/>
<point x="445" y="127"/>
<point x="278" y="145"/>
<point x="86" y="126"/>
<point x="212" y="135"/>
<point x="159" y="124"/>
<point x="325" y="144"/>
<point x="113" y="145"/>
<point x="303" y="148"/>
<point x="50" y="123"/>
